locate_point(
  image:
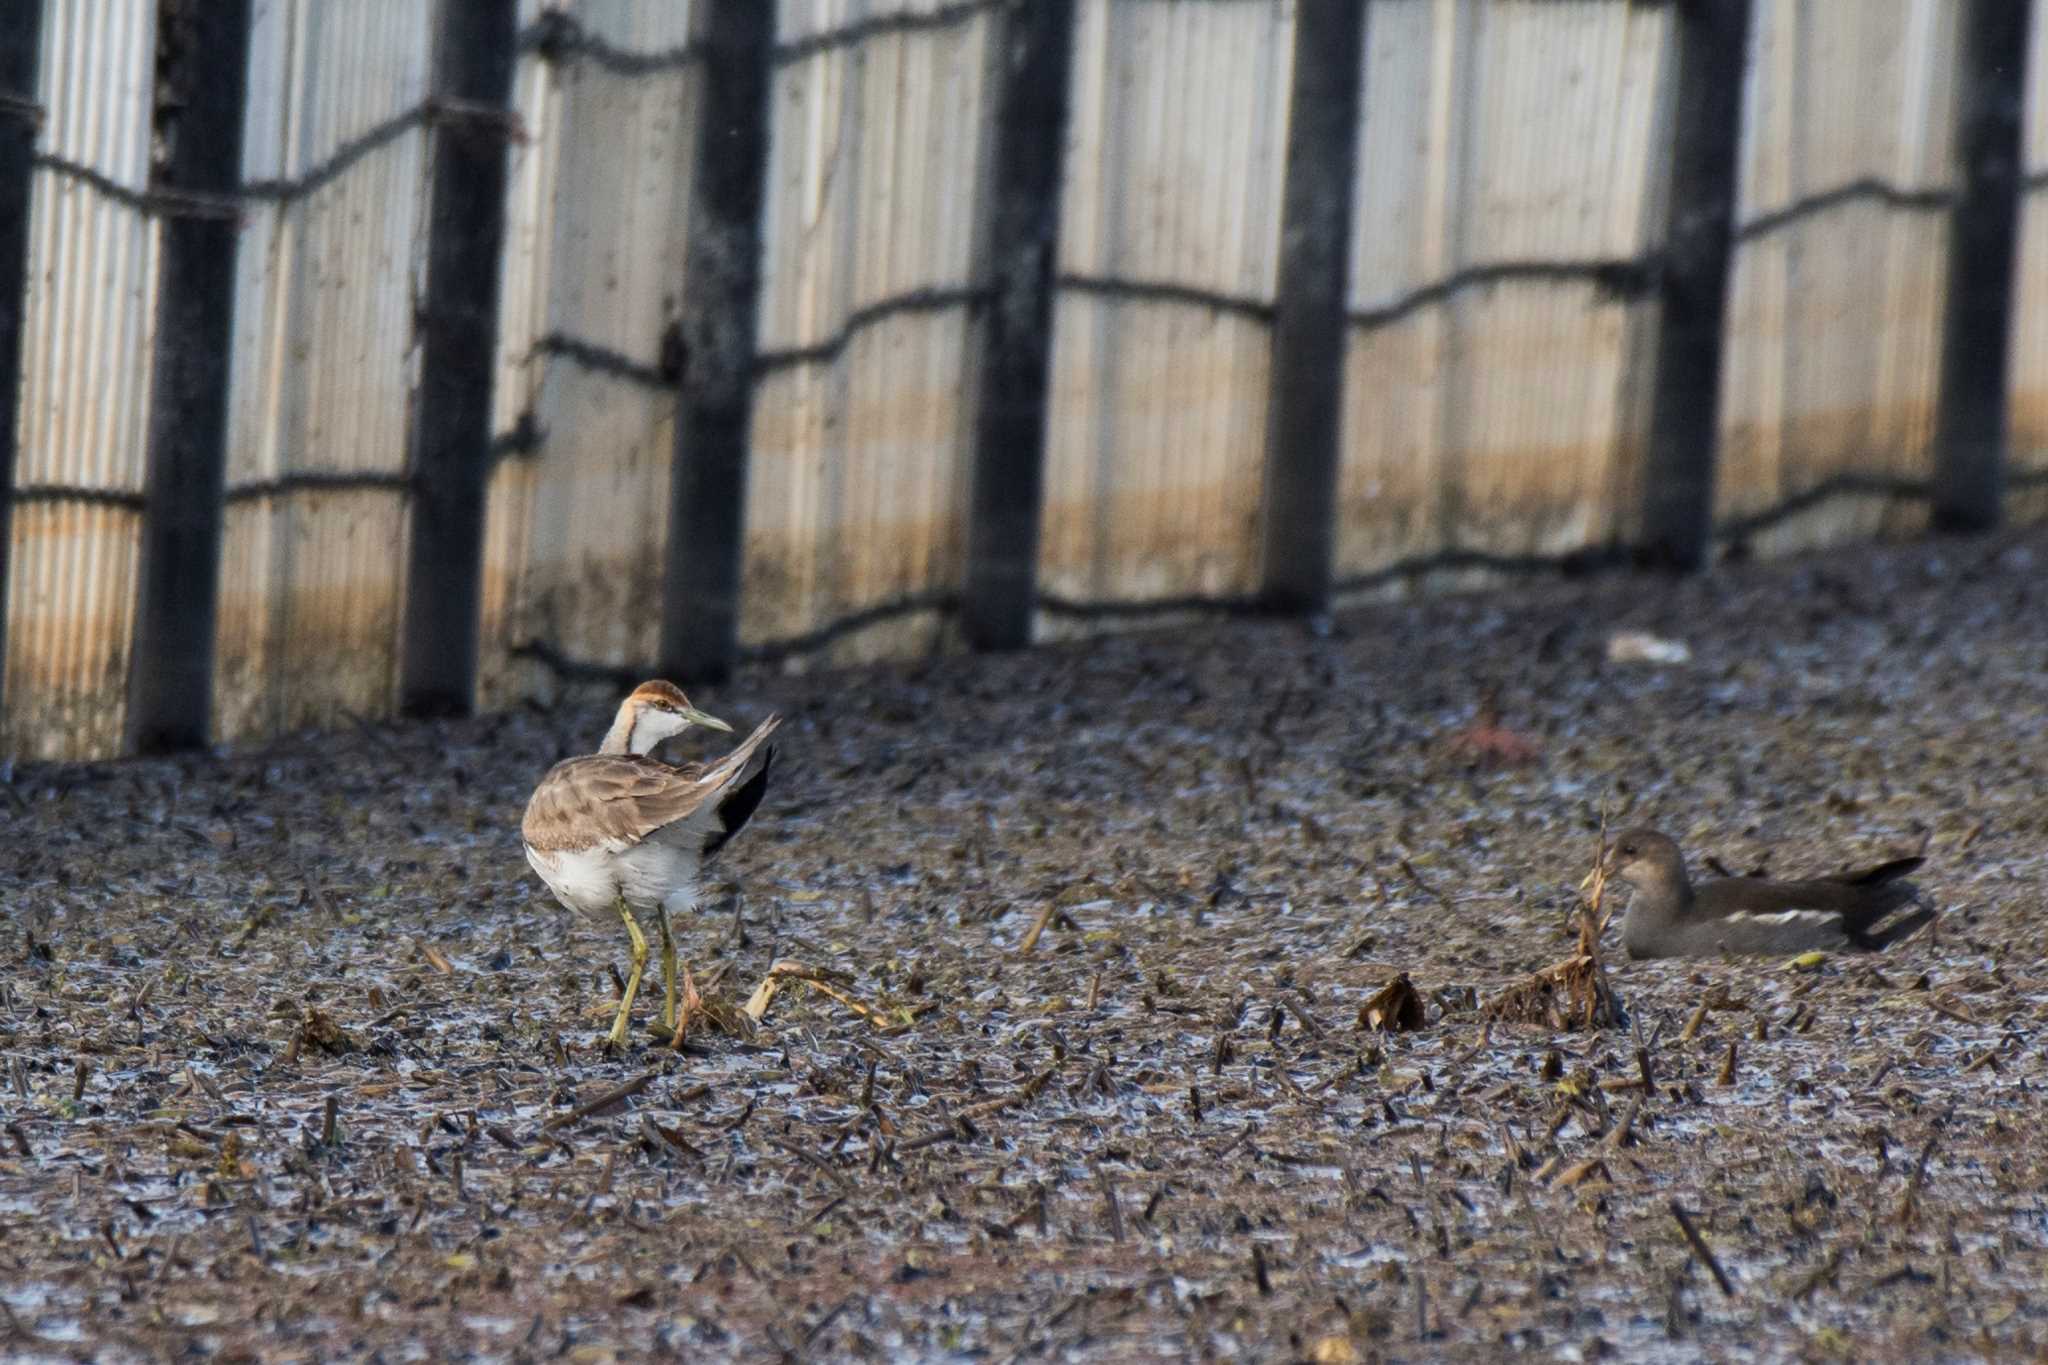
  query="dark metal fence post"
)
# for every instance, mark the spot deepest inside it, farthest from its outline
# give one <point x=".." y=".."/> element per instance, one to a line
<point x="1305" y="419"/>
<point x="202" y="65"/>
<point x="458" y="324"/>
<point x="1972" y="426"/>
<point x="714" y="411"/>
<point x="21" y="34"/>
<point x="1021" y="236"/>
<point x="1678" y="493"/>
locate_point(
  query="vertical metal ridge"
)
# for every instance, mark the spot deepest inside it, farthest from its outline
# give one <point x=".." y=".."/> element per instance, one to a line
<point x="451" y="455"/>
<point x="1678" y="481"/>
<point x="1007" y="487"/>
<point x="1976" y="342"/>
<point x="203" y="58"/>
<point x="700" y="588"/>
<point x="21" y="38"/>
<point x="1306" y="404"/>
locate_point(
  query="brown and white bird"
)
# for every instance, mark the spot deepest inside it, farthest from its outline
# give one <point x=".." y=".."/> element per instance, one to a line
<point x="1671" y="916"/>
<point x="618" y="830"/>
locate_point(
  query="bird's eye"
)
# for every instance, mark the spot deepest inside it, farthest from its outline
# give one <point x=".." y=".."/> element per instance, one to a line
<point x="1628" y="850"/>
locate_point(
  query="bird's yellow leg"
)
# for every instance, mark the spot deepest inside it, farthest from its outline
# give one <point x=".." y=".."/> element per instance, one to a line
<point x="618" y="1033"/>
<point x="668" y="970"/>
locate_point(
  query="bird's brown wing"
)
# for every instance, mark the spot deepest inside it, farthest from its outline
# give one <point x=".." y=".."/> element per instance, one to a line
<point x="616" y="800"/>
<point x="1861" y="899"/>
<point x="1761" y="896"/>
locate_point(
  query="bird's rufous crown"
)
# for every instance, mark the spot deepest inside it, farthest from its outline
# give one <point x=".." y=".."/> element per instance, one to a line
<point x="658" y="692"/>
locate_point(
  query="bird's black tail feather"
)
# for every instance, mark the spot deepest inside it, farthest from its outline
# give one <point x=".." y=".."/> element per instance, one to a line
<point x="1882" y="873"/>
<point x="739" y="807"/>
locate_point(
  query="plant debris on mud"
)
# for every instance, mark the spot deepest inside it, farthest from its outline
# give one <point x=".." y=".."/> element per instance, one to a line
<point x="1129" y="999"/>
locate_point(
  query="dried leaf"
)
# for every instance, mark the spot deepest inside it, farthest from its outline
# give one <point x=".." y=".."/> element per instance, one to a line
<point x="1395" y="1008"/>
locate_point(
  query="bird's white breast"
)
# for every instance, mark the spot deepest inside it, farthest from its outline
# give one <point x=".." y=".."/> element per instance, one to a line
<point x="649" y="874"/>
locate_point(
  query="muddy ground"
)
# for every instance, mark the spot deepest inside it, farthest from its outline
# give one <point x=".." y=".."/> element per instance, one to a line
<point x="298" y="1061"/>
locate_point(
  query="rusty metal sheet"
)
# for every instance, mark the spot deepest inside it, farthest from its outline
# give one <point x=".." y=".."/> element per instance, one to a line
<point x="1506" y="417"/>
<point x="90" y="318"/>
<point x="1177" y="139"/>
<point x="857" y="487"/>
<point x="324" y="365"/>
<point x="1834" y="321"/>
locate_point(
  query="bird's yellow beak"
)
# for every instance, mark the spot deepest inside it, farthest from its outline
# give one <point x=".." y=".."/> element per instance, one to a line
<point x="705" y="719"/>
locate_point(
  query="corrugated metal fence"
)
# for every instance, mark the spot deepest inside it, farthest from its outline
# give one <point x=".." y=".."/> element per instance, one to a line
<point x="864" y="327"/>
